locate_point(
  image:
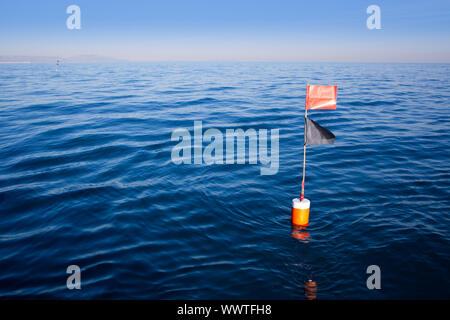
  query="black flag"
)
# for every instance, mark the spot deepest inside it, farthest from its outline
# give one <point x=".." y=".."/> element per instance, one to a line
<point x="315" y="134"/>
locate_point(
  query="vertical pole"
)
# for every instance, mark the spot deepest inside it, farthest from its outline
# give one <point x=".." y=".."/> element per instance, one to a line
<point x="304" y="157"/>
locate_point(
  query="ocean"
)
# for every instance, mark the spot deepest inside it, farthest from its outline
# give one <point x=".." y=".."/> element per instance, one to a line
<point x="87" y="179"/>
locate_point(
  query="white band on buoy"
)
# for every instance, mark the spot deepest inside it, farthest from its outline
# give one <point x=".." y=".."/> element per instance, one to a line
<point x="304" y="204"/>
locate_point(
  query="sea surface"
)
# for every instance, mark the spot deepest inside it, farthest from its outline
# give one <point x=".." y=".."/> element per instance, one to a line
<point x="87" y="179"/>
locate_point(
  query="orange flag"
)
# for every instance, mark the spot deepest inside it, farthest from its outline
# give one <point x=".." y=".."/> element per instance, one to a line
<point x="321" y="97"/>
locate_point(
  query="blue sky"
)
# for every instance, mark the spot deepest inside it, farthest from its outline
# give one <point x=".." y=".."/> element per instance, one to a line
<point x="218" y="30"/>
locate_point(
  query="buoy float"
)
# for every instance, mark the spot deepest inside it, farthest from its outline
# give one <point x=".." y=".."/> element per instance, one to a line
<point x="300" y="212"/>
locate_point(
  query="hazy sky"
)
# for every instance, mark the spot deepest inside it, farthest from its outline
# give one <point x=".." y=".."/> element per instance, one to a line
<point x="218" y="30"/>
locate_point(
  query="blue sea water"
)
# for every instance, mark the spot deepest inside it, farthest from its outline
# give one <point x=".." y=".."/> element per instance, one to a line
<point x="86" y="178"/>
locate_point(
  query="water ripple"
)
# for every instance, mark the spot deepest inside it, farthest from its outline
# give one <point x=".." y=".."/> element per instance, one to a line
<point x="87" y="179"/>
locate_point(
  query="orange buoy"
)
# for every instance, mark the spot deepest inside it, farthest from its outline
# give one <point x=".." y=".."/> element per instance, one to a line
<point x="300" y="212"/>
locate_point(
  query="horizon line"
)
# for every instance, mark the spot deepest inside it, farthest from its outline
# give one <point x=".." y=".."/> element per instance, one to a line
<point x="61" y="60"/>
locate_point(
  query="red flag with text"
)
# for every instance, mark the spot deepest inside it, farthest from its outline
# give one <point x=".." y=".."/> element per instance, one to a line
<point x="321" y="97"/>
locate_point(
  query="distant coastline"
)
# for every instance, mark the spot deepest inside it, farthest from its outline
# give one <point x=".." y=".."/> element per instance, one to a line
<point x="52" y="59"/>
<point x="14" y="62"/>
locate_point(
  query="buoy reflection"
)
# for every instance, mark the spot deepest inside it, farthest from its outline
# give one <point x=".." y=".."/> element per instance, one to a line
<point x="310" y="289"/>
<point x="300" y="233"/>
<point x="310" y="286"/>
